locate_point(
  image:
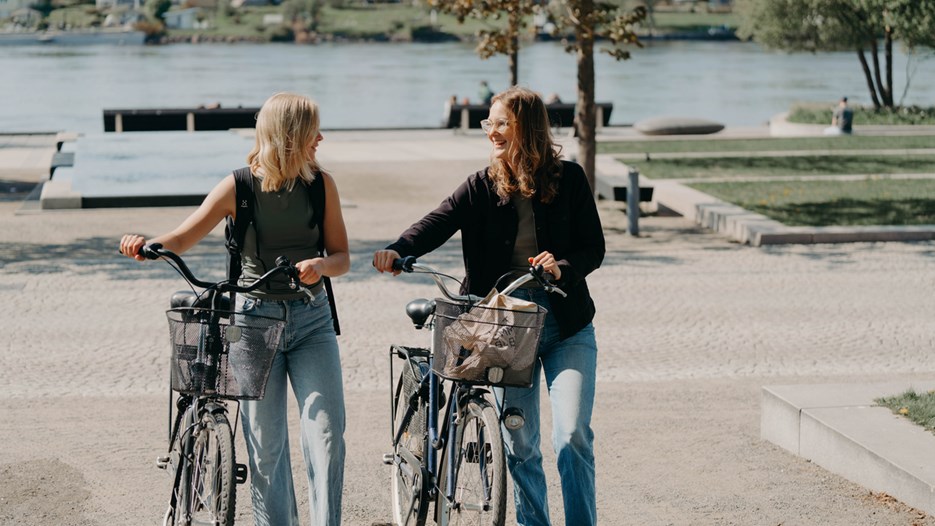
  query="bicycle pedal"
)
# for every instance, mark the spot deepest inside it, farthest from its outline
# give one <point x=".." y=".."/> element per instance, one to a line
<point x="240" y="473"/>
<point x="388" y="458"/>
<point x="162" y="462"/>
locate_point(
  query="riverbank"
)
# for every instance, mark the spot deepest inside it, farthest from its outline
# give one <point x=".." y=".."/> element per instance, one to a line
<point x="383" y="22"/>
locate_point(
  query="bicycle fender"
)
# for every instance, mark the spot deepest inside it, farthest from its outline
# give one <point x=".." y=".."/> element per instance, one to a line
<point x="215" y="408"/>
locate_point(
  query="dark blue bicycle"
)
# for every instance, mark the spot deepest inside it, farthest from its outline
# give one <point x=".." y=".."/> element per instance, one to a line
<point x="447" y="440"/>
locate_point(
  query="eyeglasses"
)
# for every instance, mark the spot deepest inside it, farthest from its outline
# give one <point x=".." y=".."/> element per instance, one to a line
<point x="500" y="125"/>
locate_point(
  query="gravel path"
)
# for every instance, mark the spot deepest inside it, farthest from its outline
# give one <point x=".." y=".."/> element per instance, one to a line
<point x="690" y="327"/>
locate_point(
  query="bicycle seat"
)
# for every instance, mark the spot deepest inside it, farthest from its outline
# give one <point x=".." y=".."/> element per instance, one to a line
<point x="188" y="299"/>
<point x="419" y="310"/>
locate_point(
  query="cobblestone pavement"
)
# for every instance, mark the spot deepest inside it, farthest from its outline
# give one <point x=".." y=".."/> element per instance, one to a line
<point x="689" y="327"/>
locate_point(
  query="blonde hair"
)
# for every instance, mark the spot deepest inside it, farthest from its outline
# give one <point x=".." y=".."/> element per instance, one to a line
<point x="286" y="126"/>
<point x="537" y="165"/>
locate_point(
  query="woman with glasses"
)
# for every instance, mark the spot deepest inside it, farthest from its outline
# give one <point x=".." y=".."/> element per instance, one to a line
<point x="530" y="207"/>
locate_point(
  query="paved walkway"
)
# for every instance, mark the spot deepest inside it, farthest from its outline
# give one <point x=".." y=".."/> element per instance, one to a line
<point x="691" y="327"/>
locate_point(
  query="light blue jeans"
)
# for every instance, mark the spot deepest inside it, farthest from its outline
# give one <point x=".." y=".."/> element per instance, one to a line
<point x="570" y="367"/>
<point x="310" y="361"/>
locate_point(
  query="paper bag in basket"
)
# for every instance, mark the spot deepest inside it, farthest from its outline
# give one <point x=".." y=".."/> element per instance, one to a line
<point x="489" y="334"/>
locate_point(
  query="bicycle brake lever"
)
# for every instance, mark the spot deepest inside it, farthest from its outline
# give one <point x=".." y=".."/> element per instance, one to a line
<point x="538" y="272"/>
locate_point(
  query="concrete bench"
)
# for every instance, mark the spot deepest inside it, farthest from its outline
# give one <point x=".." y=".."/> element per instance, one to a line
<point x="561" y="115"/>
<point x="179" y="119"/>
<point x="60" y="159"/>
<point x="614" y="187"/>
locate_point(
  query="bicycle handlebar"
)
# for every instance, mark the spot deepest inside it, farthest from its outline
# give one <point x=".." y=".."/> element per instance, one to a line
<point x="409" y="264"/>
<point x="283" y="266"/>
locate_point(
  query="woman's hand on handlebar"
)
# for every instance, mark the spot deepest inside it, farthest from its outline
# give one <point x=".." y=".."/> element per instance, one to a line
<point x="383" y="261"/>
<point x="547" y="260"/>
<point x="309" y="270"/>
<point x="130" y="246"/>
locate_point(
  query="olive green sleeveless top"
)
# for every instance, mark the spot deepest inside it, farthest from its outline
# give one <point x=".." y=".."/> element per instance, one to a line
<point x="283" y="225"/>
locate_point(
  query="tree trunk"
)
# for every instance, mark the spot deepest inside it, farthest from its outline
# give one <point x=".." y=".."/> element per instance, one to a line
<point x="514" y="47"/>
<point x="881" y="88"/>
<point x="585" y="113"/>
<point x="869" y="77"/>
<point x="888" y="58"/>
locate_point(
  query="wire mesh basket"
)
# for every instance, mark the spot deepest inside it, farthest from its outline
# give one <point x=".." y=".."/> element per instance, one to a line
<point x="484" y="345"/>
<point x="229" y="359"/>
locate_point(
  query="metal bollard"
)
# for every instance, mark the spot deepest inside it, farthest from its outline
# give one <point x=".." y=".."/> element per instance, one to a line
<point x="633" y="201"/>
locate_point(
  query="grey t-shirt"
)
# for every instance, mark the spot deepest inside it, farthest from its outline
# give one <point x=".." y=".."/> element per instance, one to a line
<point x="283" y="225"/>
<point x="526" y="245"/>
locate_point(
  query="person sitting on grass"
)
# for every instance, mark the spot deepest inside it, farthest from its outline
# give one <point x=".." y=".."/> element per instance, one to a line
<point x="842" y="119"/>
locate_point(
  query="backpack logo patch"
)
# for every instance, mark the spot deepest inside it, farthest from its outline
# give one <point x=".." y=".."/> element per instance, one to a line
<point x="243" y="204"/>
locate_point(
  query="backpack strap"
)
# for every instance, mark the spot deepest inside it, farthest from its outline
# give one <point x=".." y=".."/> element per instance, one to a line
<point x="316" y="194"/>
<point x="236" y="229"/>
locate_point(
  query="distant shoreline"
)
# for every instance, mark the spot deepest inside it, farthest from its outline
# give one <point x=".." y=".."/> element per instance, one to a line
<point x="133" y="38"/>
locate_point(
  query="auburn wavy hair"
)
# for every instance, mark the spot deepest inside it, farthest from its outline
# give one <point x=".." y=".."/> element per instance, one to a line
<point x="286" y="126"/>
<point x="536" y="166"/>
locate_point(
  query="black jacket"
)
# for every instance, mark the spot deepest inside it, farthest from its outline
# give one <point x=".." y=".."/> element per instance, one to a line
<point x="569" y="227"/>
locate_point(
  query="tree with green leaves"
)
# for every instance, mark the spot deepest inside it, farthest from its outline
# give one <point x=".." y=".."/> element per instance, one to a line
<point x="591" y="21"/>
<point x="501" y="41"/>
<point x="863" y="26"/>
<point x="585" y="20"/>
<point x="156" y="8"/>
<point x="304" y="14"/>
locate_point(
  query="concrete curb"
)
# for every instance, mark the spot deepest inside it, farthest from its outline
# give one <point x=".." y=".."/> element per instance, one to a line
<point x="839" y="427"/>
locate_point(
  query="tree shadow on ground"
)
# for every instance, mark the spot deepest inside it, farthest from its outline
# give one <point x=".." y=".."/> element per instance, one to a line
<point x="98" y="254"/>
<point x="851" y="212"/>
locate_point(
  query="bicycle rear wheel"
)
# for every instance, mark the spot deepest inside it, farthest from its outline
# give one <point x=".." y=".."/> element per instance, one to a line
<point x="480" y="470"/>
<point x="207" y="496"/>
<point x="408" y="477"/>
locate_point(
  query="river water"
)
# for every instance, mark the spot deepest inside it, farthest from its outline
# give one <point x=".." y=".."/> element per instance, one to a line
<point x="375" y="85"/>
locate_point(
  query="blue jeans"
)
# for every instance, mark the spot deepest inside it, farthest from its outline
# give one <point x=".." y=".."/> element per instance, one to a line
<point x="311" y="362"/>
<point x="570" y="367"/>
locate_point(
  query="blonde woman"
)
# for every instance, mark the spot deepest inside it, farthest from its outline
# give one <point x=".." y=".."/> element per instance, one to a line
<point x="283" y="164"/>
<point x="530" y="207"/>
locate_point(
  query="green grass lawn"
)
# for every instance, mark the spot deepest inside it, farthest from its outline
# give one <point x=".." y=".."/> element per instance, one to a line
<point x="821" y="114"/>
<point x="868" y="201"/>
<point x="854" y="142"/>
<point x="700" y="168"/>
<point x="833" y="203"/>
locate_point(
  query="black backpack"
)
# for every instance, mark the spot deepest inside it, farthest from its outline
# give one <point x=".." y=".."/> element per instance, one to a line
<point x="236" y="231"/>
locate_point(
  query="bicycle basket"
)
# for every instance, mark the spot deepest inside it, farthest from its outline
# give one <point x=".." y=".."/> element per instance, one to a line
<point x="485" y="345"/>
<point x="240" y="364"/>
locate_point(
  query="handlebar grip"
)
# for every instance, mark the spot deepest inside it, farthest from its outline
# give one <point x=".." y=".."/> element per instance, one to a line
<point x="150" y="251"/>
<point x="404" y="264"/>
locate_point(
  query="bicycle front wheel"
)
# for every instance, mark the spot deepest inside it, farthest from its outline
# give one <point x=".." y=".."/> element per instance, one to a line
<point x="211" y="488"/>
<point x="479" y="496"/>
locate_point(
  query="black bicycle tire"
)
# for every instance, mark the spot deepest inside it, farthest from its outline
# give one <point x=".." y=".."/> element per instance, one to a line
<point x="224" y="494"/>
<point x="475" y="410"/>
<point x="403" y="451"/>
<point x="178" y="458"/>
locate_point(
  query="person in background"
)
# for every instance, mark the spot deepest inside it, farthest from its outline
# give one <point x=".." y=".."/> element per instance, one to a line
<point x="446" y="116"/>
<point x="484" y="93"/>
<point x="842" y="119"/>
<point x="282" y="163"/>
<point x="529" y="207"/>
